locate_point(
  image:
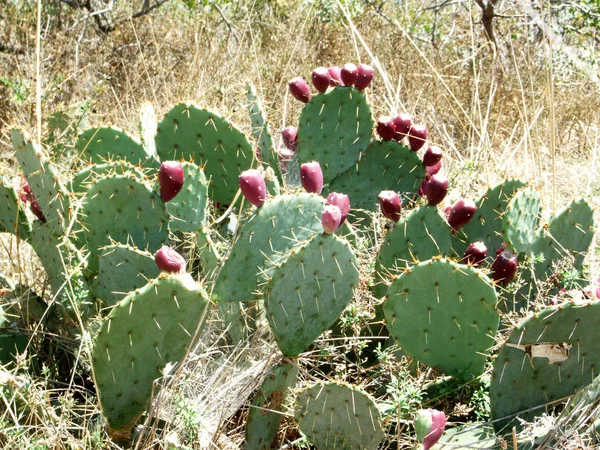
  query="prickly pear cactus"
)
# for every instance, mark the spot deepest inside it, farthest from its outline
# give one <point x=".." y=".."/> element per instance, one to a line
<point x="12" y="215"/>
<point x="309" y="290"/>
<point x="211" y="142"/>
<point x="547" y="357"/>
<point x="472" y="436"/>
<point x="122" y="209"/>
<point x="521" y="220"/>
<point x="335" y="129"/>
<point x="265" y="415"/>
<point x="418" y="236"/>
<point x="148" y="329"/>
<point x="486" y="225"/>
<point x="386" y="165"/>
<point x="148" y="126"/>
<point x="444" y="314"/>
<point x="86" y="177"/>
<point x="122" y="269"/>
<point x="208" y="253"/>
<point x="338" y="416"/>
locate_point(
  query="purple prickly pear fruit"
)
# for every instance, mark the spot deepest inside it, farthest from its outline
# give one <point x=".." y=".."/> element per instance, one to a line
<point x="475" y="253"/>
<point x="421" y="191"/>
<point x="429" y="427"/>
<point x="417" y="137"/>
<point x="402" y="123"/>
<point x="385" y="128"/>
<point x="349" y="73"/>
<point x="436" y="189"/>
<point x="331" y="218"/>
<point x="253" y="186"/>
<point x="169" y="260"/>
<point x="299" y="89"/>
<point x="321" y="79"/>
<point x="390" y="204"/>
<point x="36" y="210"/>
<point x="504" y="267"/>
<point x="170" y="179"/>
<point x="335" y="73"/>
<point x="311" y="177"/>
<point x="341" y="201"/>
<point x="26" y="194"/>
<point x="500" y="249"/>
<point x="461" y="213"/>
<point x="432" y="156"/>
<point x="364" y="77"/>
<point x="432" y="170"/>
<point x="290" y="138"/>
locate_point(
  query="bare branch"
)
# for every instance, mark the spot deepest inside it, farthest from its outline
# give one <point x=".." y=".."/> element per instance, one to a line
<point x="146" y="7"/>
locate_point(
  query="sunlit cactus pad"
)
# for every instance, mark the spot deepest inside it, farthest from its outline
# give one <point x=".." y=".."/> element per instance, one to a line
<point x="521" y="220"/>
<point x="338" y="416"/>
<point x="444" y="314"/>
<point x="13" y="218"/>
<point x="104" y="144"/>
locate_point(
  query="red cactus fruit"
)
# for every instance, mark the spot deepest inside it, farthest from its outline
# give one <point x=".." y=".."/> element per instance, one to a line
<point x="385" y="128"/>
<point x="402" y="123"/>
<point x="349" y="73"/>
<point x="311" y="177"/>
<point x="417" y="137"/>
<point x="475" y="253"/>
<point x="331" y="218"/>
<point x="321" y="79"/>
<point x="432" y="155"/>
<point x="504" y="267"/>
<point x="289" y="137"/>
<point x="36" y="210"/>
<point x="253" y="186"/>
<point x="341" y="201"/>
<point x="429" y="426"/>
<point x="364" y="77"/>
<point x="170" y="179"/>
<point x="436" y="189"/>
<point x="299" y="89"/>
<point x="390" y="204"/>
<point x="461" y="213"/>
<point x="26" y="195"/>
<point x="169" y="260"/>
<point x="432" y="170"/>
<point x="335" y="73"/>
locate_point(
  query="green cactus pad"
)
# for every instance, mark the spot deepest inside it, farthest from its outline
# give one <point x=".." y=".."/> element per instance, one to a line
<point x="260" y="131"/>
<point x="148" y="128"/>
<point x="12" y="215"/>
<point x="272" y="183"/>
<point x="207" y="253"/>
<point x="122" y="269"/>
<point x="188" y="208"/>
<point x="309" y="291"/>
<point x="443" y="314"/>
<point x="486" y="225"/>
<point x="338" y="416"/>
<point x="121" y="209"/>
<point x="385" y="166"/>
<point x="278" y="226"/>
<point x="563" y="342"/>
<point x="52" y="251"/>
<point x="418" y="236"/>
<point x="521" y="220"/>
<point x="83" y="179"/>
<point x="43" y="181"/>
<point x="211" y="142"/>
<point x="104" y="144"/>
<point x="472" y="436"/>
<point x="263" y="420"/>
<point x="335" y="129"/>
<point x="147" y="330"/>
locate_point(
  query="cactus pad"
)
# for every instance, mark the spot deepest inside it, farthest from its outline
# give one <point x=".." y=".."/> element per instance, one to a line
<point x="546" y="358"/>
<point x="12" y="215"/>
<point x="309" y="291"/>
<point x="335" y="128"/>
<point x="104" y="144"/>
<point x="150" y="328"/>
<point x="444" y="315"/>
<point x="521" y="220"/>
<point x="86" y="177"/>
<point x="211" y="142"/>
<point x="338" y="416"/>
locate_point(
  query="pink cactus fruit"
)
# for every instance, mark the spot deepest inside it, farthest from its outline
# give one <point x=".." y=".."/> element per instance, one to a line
<point x="432" y="155"/>
<point x="402" y="123"/>
<point x="289" y="136"/>
<point x="299" y="89"/>
<point x="390" y="204"/>
<point x="364" y="77"/>
<point x="26" y="196"/>
<point x="169" y="260"/>
<point x="321" y="79"/>
<point x="253" y="186"/>
<point x="436" y="189"/>
<point x="335" y="74"/>
<point x="429" y="427"/>
<point x="331" y="218"/>
<point x="341" y="201"/>
<point x="385" y="128"/>
<point x="461" y="213"/>
<point x="170" y="180"/>
<point x="349" y="73"/>
<point x="504" y="267"/>
<point x="475" y="253"/>
<point x="417" y="137"/>
<point x="311" y="177"/>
